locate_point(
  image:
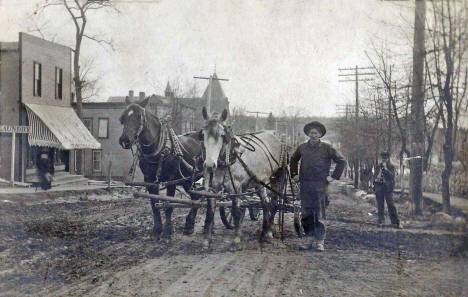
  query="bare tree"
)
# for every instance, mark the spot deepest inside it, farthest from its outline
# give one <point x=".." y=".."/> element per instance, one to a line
<point x="79" y="11"/>
<point x="446" y="58"/>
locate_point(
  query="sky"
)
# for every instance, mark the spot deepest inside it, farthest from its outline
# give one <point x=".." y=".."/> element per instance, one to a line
<point x="279" y="55"/>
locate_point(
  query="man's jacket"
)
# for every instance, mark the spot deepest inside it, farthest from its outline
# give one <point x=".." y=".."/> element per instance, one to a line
<point x="388" y="176"/>
<point x="316" y="161"/>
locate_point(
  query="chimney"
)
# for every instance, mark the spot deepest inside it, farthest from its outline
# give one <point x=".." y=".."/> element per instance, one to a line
<point x="141" y="95"/>
<point x="130" y="95"/>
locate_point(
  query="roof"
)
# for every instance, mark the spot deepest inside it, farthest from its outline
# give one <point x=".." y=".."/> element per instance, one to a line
<point x="217" y="92"/>
<point x="8" y="46"/>
<point x="59" y="127"/>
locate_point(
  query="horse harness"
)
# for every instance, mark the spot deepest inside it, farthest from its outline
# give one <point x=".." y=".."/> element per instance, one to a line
<point x="230" y="149"/>
<point x="167" y="145"/>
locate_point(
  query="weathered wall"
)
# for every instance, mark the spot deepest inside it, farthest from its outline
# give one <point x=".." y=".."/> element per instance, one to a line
<point x="49" y="55"/>
<point x="111" y="150"/>
<point x="9" y="105"/>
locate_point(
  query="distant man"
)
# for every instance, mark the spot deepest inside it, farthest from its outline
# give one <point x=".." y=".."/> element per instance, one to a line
<point x="384" y="182"/>
<point x="315" y="157"/>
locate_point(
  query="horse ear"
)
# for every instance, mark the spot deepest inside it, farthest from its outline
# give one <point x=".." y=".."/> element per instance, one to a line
<point x="127" y="100"/>
<point x="205" y="113"/>
<point x="143" y="102"/>
<point x="224" y="115"/>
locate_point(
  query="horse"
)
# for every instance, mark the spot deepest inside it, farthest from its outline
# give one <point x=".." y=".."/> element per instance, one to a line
<point x="159" y="161"/>
<point x="239" y="163"/>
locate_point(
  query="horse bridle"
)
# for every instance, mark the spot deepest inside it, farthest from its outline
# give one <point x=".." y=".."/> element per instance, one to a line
<point x="162" y="135"/>
<point x="228" y="139"/>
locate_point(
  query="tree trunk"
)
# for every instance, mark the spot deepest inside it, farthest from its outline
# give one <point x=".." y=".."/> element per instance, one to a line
<point x="448" y="156"/>
<point x="76" y="77"/>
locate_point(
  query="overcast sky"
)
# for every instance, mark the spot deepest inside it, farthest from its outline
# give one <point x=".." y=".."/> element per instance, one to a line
<point x="276" y="54"/>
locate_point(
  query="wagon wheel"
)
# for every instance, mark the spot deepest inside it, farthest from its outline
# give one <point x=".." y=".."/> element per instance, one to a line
<point x="254" y="213"/>
<point x="226" y="217"/>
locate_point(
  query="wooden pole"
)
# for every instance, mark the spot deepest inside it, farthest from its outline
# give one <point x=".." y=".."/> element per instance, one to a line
<point x="109" y="176"/>
<point x="168" y="199"/>
<point x="12" y="163"/>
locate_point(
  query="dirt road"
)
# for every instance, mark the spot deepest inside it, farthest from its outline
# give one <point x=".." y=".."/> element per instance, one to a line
<point x="99" y="245"/>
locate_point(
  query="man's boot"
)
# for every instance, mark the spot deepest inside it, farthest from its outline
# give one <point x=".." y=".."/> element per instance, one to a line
<point x="321" y="245"/>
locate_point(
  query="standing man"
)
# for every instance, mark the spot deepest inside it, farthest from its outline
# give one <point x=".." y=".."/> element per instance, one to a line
<point x="315" y="157"/>
<point x="384" y="182"/>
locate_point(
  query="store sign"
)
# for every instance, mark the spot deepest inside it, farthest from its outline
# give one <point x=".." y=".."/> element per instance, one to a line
<point x="14" y="129"/>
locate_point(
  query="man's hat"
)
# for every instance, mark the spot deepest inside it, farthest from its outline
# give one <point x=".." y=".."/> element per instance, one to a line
<point x="384" y="154"/>
<point x="317" y="125"/>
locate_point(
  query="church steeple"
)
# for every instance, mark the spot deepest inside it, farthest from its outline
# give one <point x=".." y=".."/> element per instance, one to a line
<point x="168" y="92"/>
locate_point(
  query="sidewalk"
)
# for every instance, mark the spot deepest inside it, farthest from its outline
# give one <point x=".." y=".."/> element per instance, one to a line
<point x="64" y="188"/>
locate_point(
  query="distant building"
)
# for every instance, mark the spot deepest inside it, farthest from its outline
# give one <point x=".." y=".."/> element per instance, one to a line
<point x="35" y="91"/>
<point x="102" y="119"/>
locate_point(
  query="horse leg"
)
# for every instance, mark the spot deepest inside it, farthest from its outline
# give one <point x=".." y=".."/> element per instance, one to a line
<point x="157" y="222"/>
<point x="168" y="228"/>
<point x="190" y="219"/>
<point x="209" y="222"/>
<point x="237" y="215"/>
<point x="267" y="233"/>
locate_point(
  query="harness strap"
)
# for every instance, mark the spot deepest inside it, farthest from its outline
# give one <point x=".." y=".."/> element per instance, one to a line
<point x="254" y="177"/>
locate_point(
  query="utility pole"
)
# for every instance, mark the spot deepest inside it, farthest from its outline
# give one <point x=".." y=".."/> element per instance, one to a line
<point x="256" y="119"/>
<point x="357" y="78"/>
<point x="210" y="85"/>
<point x="417" y="107"/>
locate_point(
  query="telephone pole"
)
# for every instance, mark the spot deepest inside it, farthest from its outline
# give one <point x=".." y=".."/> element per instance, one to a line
<point x="417" y="106"/>
<point x="210" y="86"/>
<point x="256" y="118"/>
<point x="358" y="76"/>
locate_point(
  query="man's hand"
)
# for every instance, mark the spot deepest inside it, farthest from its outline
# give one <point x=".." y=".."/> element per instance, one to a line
<point x="330" y="179"/>
<point x="295" y="179"/>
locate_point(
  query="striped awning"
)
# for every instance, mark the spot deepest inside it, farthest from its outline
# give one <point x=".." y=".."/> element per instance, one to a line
<point x="58" y="127"/>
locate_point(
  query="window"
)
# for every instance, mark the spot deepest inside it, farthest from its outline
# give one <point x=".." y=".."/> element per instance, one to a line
<point x="88" y="122"/>
<point x="103" y="128"/>
<point x="58" y="83"/>
<point x="37" y="79"/>
<point x="96" y="161"/>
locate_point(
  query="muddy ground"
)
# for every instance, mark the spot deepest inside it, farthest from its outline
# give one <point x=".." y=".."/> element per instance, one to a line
<point x="99" y="245"/>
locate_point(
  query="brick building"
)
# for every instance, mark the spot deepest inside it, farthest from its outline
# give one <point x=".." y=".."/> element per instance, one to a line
<point x="35" y="91"/>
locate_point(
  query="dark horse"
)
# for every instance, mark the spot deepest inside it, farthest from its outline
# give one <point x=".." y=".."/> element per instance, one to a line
<point x="161" y="160"/>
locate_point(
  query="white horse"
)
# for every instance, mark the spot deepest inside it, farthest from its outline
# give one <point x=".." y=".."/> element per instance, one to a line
<point x="240" y="163"/>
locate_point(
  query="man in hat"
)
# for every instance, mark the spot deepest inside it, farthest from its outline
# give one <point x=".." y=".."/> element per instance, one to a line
<point x="315" y="157"/>
<point x="384" y="182"/>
